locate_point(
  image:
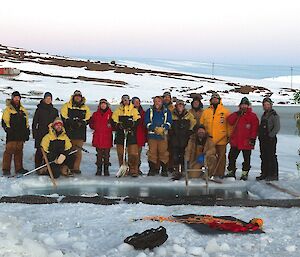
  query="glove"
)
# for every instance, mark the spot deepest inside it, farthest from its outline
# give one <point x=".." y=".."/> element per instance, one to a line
<point x="27" y="133"/>
<point x="60" y="159"/>
<point x="252" y="142"/>
<point x="200" y="158"/>
<point x="159" y="131"/>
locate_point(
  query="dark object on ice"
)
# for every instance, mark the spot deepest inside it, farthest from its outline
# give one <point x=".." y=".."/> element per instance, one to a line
<point x="93" y="200"/>
<point x="28" y="199"/>
<point x="148" y="239"/>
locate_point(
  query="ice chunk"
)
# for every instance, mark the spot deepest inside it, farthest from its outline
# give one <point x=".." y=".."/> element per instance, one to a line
<point x="179" y="249"/>
<point x="291" y="248"/>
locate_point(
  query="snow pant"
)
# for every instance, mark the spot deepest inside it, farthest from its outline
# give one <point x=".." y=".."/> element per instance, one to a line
<point x="233" y="155"/>
<point x="58" y="169"/>
<point x="133" y="155"/>
<point x="38" y="157"/>
<point x="178" y="157"/>
<point x="221" y="160"/>
<point x="77" y="144"/>
<point x="158" y="151"/>
<point x="269" y="162"/>
<point x="210" y="162"/>
<point x="171" y="158"/>
<point x="13" y="149"/>
<point x="140" y="157"/>
<point x="103" y="155"/>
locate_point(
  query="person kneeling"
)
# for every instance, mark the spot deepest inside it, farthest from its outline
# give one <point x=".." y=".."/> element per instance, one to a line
<point x="201" y="151"/>
<point x="57" y="145"/>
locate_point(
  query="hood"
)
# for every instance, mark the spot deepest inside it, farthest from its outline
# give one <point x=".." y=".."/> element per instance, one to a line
<point x="52" y="130"/>
<point x="43" y="105"/>
<point x="8" y="103"/>
<point x="82" y="101"/>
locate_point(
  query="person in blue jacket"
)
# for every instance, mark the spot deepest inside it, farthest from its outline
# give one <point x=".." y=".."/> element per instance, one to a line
<point x="158" y="120"/>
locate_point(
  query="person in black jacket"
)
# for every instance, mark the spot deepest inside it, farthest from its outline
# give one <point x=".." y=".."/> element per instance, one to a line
<point x="268" y="129"/>
<point x="43" y="116"/>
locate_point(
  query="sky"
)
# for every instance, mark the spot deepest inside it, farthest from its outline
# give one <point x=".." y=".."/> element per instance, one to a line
<point x="221" y="31"/>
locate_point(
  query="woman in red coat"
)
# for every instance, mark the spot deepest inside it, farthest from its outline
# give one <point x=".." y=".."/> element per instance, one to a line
<point x="141" y="131"/>
<point x="102" y="135"/>
<point x="245" y="128"/>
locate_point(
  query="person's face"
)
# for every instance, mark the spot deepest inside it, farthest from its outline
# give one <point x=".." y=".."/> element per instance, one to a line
<point x="158" y="103"/>
<point x="48" y="100"/>
<point x="201" y="133"/>
<point x="267" y="106"/>
<point x="136" y="103"/>
<point x="58" y="127"/>
<point x="103" y="106"/>
<point x="180" y="108"/>
<point x="126" y="101"/>
<point x="167" y="99"/>
<point x="244" y="107"/>
<point x="16" y="100"/>
<point x="77" y="98"/>
<point x="196" y="104"/>
<point x="215" y="100"/>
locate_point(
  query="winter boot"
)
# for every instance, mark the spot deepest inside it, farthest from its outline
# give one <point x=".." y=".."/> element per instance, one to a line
<point x="244" y="175"/>
<point x="230" y="174"/>
<point x="99" y="170"/>
<point x="164" y="170"/>
<point x="106" y="172"/>
<point x="261" y="177"/>
<point x="6" y="173"/>
<point x="152" y="169"/>
<point x="22" y="171"/>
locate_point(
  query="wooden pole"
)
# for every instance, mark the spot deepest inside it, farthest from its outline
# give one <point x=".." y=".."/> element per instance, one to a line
<point x="49" y="168"/>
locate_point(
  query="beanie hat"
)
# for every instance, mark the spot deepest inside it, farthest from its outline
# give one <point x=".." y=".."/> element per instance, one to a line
<point x="178" y="102"/>
<point x="15" y="93"/>
<point x="200" y="126"/>
<point x="125" y="97"/>
<point x="267" y="99"/>
<point x="103" y="100"/>
<point x="245" y="100"/>
<point x="77" y="92"/>
<point x="135" y="98"/>
<point x="167" y="93"/>
<point x="57" y="121"/>
<point x="215" y="95"/>
<point x="47" y="94"/>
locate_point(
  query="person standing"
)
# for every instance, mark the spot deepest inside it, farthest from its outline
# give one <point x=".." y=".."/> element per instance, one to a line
<point x="76" y="115"/>
<point x="141" y="131"/>
<point x="101" y="123"/>
<point x="214" y="119"/>
<point x="179" y="134"/>
<point x="243" y="137"/>
<point x="57" y="147"/>
<point x="268" y="130"/>
<point x="197" y="108"/>
<point x="158" y="120"/>
<point x="43" y="116"/>
<point x="16" y="126"/>
<point x="126" y="119"/>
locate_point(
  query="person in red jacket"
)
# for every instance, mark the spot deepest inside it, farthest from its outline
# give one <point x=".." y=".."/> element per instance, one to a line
<point x="245" y="128"/>
<point x="102" y="136"/>
<point x="141" y="131"/>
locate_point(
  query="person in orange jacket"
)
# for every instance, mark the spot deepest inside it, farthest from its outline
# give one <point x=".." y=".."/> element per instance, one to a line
<point x="214" y="119"/>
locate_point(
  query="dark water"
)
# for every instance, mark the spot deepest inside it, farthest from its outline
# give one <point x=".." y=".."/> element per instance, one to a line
<point x="141" y="191"/>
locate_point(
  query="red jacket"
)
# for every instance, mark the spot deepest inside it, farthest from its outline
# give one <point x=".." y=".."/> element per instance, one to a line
<point x="141" y="130"/>
<point x="246" y="128"/>
<point x="101" y="124"/>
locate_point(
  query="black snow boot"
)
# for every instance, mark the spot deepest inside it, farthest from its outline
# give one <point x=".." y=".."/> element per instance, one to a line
<point x="230" y="174"/>
<point x="99" y="170"/>
<point x="164" y="170"/>
<point x="152" y="169"/>
<point x="106" y="172"/>
<point x="244" y="175"/>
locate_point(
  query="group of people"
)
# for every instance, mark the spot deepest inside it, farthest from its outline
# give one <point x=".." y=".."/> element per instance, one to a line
<point x="178" y="139"/>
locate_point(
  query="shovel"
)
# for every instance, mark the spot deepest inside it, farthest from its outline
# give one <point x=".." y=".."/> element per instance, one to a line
<point x="124" y="169"/>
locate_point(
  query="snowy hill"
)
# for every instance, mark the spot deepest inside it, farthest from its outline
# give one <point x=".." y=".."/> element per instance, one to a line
<point x="62" y="75"/>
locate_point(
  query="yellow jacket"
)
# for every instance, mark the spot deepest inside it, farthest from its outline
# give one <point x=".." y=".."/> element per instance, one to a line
<point x="216" y="124"/>
<point x="187" y="116"/>
<point x="10" y="111"/>
<point x="74" y="109"/>
<point x="51" y="139"/>
<point x="127" y="110"/>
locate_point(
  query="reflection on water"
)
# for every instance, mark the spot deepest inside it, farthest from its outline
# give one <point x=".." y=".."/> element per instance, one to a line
<point x="142" y="191"/>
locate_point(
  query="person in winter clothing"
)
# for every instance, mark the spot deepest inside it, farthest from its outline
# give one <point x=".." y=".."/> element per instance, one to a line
<point x="179" y="134"/>
<point x="141" y="130"/>
<point x="76" y="115"/>
<point x="158" y="120"/>
<point x="201" y="151"/>
<point x="197" y="108"/>
<point x="268" y="129"/>
<point x="57" y="146"/>
<point x="43" y="116"/>
<point x="243" y="137"/>
<point x="126" y="119"/>
<point x="214" y="119"/>
<point x="101" y="123"/>
<point x="15" y="124"/>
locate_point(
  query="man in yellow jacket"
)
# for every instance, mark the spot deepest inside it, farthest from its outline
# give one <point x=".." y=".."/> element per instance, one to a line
<point x="214" y="119"/>
<point x="126" y="119"/>
<point x="76" y="115"/>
